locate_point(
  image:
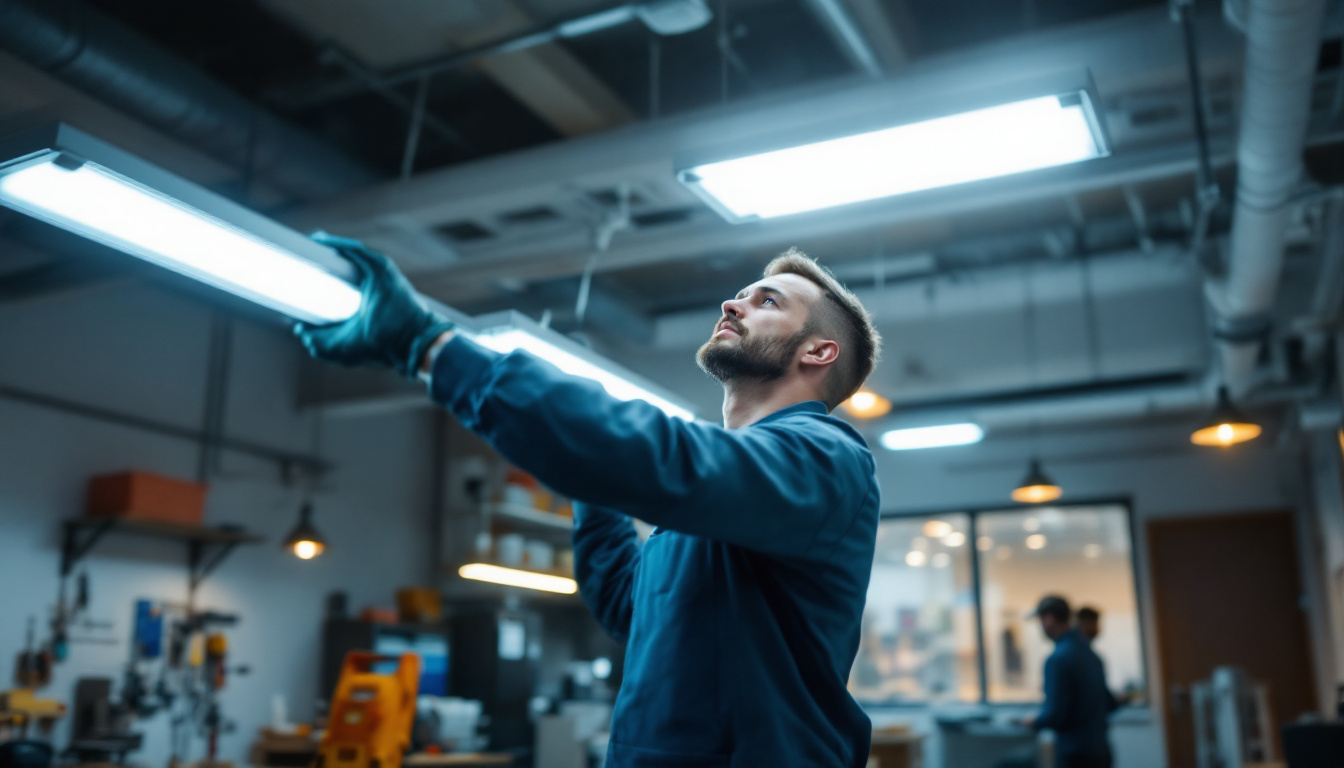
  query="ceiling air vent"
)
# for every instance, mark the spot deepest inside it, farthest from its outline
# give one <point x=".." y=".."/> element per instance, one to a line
<point x="661" y="218"/>
<point x="466" y="231"/>
<point x="538" y="215"/>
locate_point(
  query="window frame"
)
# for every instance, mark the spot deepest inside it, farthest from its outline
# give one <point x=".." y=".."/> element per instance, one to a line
<point x="974" y="513"/>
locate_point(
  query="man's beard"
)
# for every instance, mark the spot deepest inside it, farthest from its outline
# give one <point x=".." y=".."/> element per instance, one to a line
<point x="751" y="359"/>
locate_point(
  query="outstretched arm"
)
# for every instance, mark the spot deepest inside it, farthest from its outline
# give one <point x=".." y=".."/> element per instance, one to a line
<point x="772" y="488"/>
<point x="606" y="558"/>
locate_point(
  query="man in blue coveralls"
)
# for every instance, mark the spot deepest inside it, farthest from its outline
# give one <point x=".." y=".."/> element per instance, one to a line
<point x="1077" y="701"/>
<point x="741" y="613"/>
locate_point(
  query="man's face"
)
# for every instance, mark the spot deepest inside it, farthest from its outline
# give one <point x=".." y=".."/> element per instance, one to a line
<point x="761" y="330"/>
<point x="1052" y="626"/>
<point x="1089" y="628"/>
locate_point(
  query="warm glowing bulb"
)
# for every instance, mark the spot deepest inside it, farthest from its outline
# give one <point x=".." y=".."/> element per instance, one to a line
<point x="307" y="550"/>
<point x="1036" y="541"/>
<point x="954" y="539"/>
<point x="866" y="405"/>
<point x="916" y="559"/>
<point x="1226" y="434"/>
<point x="1036" y="494"/>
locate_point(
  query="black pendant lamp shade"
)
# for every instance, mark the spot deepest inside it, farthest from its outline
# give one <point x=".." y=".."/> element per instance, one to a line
<point x="1225" y="426"/>
<point x="1036" y="487"/>
<point x="304" y="541"/>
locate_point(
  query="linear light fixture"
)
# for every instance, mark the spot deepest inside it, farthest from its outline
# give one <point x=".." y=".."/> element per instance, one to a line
<point x="76" y="182"/>
<point x="941" y="436"/>
<point x="1026" y="128"/>
<point x="513" y="577"/>
<point x="508" y="331"/>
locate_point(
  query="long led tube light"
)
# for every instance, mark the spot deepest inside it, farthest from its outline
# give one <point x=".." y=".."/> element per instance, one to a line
<point x="941" y="436"/>
<point x="507" y="339"/>
<point x="105" y="206"/>
<point x="513" y="577"/>
<point x="1014" y="137"/>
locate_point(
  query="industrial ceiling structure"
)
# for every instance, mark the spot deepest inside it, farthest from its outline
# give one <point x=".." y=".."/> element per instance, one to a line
<point x="515" y="154"/>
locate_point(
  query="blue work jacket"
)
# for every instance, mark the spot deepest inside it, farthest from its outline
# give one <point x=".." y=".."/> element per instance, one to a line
<point x="1077" y="701"/>
<point x="741" y="612"/>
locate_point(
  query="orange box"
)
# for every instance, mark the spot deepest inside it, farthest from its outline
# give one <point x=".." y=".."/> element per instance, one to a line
<point x="147" y="497"/>
<point x="418" y="605"/>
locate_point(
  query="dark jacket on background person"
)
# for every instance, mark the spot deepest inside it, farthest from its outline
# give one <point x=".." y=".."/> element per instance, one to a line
<point x="741" y="613"/>
<point x="1077" y="701"/>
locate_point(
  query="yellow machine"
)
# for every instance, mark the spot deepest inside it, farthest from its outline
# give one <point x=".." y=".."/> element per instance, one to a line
<point x="371" y="713"/>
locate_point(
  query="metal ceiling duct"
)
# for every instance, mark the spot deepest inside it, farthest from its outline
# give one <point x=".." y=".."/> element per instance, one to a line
<point x="1282" y="41"/>
<point x="129" y="72"/>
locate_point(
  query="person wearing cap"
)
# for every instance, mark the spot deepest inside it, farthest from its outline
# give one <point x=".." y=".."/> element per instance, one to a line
<point x="1077" y="701"/>
<point x="1089" y="622"/>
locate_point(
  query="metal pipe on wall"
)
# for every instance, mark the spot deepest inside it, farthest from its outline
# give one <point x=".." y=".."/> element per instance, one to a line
<point x="122" y="68"/>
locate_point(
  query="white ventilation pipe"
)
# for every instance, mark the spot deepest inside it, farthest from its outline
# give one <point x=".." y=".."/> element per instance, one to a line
<point x="1282" y="41"/>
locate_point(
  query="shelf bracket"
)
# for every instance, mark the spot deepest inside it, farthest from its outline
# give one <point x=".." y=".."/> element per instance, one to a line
<point x="73" y="549"/>
<point x="199" y="566"/>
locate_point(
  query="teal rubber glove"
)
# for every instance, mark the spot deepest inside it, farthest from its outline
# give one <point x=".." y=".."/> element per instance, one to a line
<point x="392" y="328"/>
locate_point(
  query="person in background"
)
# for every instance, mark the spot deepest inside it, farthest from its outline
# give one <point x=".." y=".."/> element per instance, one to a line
<point x="1089" y="622"/>
<point x="1077" y="701"/>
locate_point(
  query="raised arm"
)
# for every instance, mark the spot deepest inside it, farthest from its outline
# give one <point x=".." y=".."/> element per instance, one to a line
<point x="606" y="557"/>
<point x="770" y="487"/>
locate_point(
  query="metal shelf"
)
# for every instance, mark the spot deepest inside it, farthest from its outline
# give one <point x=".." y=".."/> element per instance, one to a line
<point x="82" y="534"/>
<point x="532" y="517"/>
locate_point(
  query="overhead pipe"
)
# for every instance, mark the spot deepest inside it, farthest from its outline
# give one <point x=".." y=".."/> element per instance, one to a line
<point x="126" y="70"/>
<point x="1282" y="41"/>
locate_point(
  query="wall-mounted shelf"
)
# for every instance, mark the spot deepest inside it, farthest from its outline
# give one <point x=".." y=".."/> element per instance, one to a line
<point x="532" y="517"/>
<point x="82" y="534"/>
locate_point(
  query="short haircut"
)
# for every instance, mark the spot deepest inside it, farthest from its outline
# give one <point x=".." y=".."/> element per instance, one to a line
<point x="841" y="317"/>
<point x="1088" y="613"/>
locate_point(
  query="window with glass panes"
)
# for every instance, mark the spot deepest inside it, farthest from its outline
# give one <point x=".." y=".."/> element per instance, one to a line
<point x="947" y="613"/>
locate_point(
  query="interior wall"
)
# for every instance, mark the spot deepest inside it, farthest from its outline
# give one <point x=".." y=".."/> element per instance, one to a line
<point x="141" y="350"/>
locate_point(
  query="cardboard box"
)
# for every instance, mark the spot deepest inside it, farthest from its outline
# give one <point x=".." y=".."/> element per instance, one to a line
<point x="147" y="497"/>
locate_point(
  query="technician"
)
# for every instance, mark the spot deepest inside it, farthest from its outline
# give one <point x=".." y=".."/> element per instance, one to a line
<point x="741" y="613"/>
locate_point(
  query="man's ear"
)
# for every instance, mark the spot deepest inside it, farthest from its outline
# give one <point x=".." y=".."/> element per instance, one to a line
<point x="820" y="352"/>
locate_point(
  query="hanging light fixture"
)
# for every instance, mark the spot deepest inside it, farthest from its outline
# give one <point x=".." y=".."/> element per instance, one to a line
<point x="304" y="541"/>
<point x="866" y="405"/>
<point x="1036" y="487"/>
<point x="1225" y="426"/>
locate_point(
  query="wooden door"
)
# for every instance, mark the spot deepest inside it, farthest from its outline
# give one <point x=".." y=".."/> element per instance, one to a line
<point x="1227" y="593"/>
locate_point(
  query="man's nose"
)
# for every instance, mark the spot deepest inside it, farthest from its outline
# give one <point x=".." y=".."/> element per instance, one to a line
<point x="732" y="308"/>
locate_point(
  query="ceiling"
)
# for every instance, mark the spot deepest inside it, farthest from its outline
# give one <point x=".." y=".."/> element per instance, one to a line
<point x="1036" y="283"/>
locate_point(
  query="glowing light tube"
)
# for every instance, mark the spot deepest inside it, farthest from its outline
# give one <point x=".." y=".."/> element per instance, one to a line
<point x="969" y="146"/>
<point x="99" y="204"/>
<point x="931" y="437"/>
<point x="513" y="577"/>
<point x="506" y="340"/>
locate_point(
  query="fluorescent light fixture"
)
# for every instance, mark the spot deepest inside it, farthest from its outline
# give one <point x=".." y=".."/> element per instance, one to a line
<point x="75" y="182"/>
<point x="1048" y="129"/>
<point x="931" y="437"/>
<point x="511" y="331"/>
<point x="513" y="577"/>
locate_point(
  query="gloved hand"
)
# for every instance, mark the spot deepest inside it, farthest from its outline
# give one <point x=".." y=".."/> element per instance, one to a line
<point x="392" y="328"/>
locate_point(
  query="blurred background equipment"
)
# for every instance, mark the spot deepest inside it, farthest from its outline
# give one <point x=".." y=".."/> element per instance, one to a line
<point x="372" y="712"/>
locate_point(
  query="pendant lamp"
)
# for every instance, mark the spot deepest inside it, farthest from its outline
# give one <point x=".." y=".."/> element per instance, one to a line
<point x="304" y="541"/>
<point x="1036" y="487"/>
<point x="1225" y="426"/>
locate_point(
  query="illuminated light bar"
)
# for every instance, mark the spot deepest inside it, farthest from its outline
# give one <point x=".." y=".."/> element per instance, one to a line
<point x="511" y="331"/>
<point x="513" y="577"/>
<point x="1044" y="131"/>
<point x="75" y="182"/>
<point x="932" y="437"/>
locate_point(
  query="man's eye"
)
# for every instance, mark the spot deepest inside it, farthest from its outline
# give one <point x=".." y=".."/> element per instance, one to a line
<point x="768" y="300"/>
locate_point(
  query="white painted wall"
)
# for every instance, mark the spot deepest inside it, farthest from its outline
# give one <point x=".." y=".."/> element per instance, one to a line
<point x="141" y="350"/>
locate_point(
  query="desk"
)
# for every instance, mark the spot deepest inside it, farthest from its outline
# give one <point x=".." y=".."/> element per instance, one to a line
<point x="896" y="750"/>
<point x="456" y="760"/>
